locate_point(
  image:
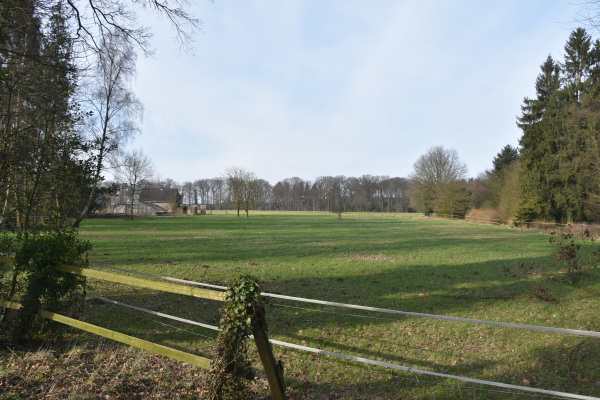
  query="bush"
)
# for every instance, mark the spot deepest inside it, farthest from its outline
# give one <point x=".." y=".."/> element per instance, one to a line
<point x="568" y="252"/>
<point x="35" y="283"/>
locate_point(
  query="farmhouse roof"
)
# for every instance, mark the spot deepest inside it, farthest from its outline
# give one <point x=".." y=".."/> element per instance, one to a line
<point x="156" y="195"/>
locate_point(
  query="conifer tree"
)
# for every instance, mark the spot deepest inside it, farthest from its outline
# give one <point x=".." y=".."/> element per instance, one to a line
<point x="577" y="63"/>
<point x="44" y="160"/>
<point x="560" y="130"/>
<point x="507" y="156"/>
<point x="540" y="122"/>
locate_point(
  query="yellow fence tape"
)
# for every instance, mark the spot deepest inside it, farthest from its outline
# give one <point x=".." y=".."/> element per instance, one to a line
<point x="146" y="283"/>
<point x="120" y="337"/>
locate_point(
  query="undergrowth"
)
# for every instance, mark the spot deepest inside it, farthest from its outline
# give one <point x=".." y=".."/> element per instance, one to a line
<point x="35" y="283"/>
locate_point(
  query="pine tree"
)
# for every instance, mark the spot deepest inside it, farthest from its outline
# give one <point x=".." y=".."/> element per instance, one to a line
<point x="559" y="158"/>
<point x="541" y="122"/>
<point x="577" y="62"/>
<point x="507" y="156"/>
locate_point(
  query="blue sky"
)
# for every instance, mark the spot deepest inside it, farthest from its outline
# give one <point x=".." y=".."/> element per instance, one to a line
<point x="312" y="88"/>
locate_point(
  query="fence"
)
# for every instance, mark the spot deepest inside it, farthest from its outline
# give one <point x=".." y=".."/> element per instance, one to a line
<point x="583" y="333"/>
<point x="273" y="370"/>
<point x="583" y="229"/>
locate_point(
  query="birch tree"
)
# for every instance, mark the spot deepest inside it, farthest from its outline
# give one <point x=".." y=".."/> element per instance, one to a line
<point x="133" y="168"/>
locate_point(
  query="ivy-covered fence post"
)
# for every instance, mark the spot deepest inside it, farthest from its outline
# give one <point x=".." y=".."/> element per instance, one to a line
<point x="273" y="369"/>
<point x="243" y="316"/>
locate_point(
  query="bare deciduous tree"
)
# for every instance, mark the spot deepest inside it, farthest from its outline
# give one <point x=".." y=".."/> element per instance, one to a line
<point x="115" y="110"/>
<point x="436" y="175"/>
<point x="243" y="188"/>
<point x="338" y="194"/>
<point x="93" y="19"/>
<point x="133" y="168"/>
<point x="216" y="190"/>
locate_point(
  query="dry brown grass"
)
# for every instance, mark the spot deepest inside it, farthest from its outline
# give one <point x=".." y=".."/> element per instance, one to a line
<point x="488" y="215"/>
<point x="108" y="371"/>
<point x="484" y="213"/>
<point x="369" y="257"/>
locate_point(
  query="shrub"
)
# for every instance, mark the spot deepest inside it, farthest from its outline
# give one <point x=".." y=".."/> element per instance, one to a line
<point x="568" y="252"/>
<point x="35" y="283"/>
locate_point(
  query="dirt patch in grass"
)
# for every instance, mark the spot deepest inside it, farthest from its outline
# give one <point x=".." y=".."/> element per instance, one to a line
<point x="370" y="257"/>
<point x="261" y="240"/>
<point x="143" y="229"/>
<point x="324" y="244"/>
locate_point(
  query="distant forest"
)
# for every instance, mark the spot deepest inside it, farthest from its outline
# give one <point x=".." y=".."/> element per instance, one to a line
<point x="366" y="193"/>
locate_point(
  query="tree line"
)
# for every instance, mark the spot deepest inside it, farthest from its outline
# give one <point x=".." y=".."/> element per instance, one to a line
<point x="241" y="189"/>
<point x="553" y="175"/>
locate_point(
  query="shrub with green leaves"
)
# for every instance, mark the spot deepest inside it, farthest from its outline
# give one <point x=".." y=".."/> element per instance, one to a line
<point x="35" y="283"/>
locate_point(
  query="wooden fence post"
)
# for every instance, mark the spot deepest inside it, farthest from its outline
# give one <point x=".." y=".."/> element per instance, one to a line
<point x="273" y="369"/>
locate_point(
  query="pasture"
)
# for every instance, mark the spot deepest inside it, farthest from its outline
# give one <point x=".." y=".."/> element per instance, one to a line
<point x="401" y="262"/>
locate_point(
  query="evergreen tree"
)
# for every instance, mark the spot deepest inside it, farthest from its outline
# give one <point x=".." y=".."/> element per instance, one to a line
<point x="19" y="55"/>
<point x="44" y="158"/>
<point x="541" y="122"/>
<point x="559" y="158"/>
<point x="576" y="66"/>
<point x="580" y="74"/>
<point x="507" y="156"/>
<point x="581" y="155"/>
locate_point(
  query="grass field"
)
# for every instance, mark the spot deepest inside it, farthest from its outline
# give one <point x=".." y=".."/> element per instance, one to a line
<point x="401" y="262"/>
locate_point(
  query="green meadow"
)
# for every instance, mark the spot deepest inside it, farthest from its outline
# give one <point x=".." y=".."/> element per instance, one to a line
<point x="402" y="262"/>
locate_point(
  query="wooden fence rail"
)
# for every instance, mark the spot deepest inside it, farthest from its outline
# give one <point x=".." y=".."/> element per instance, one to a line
<point x="273" y="369"/>
<point x="120" y="337"/>
<point x="145" y="283"/>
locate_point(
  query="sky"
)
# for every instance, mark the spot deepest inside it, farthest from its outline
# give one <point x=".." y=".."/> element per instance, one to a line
<point x="343" y="87"/>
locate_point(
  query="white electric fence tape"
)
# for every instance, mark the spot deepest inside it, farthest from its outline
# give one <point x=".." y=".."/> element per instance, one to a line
<point x="366" y="360"/>
<point x="382" y="310"/>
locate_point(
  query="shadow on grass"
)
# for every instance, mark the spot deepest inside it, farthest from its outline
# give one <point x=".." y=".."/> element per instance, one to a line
<point x="442" y="282"/>
<point x="327" y="329"/>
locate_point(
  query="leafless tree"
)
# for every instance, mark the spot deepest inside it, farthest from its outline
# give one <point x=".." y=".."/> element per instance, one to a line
<point x="115" y="110"/>
<point x="396" y="193"/>
<point x="133" y="168"/>
<point x="216" y="190"/>
<point x="203" y="188"/>
<point x="589" y="15"/>
<point x="435" y="176"/>
<point x="264" y="190"/>
<point x="92" y="20"/>
<point x="187" y="192"/>
<point x="338" y="194"/>
<point x="169" y="184"/>
<point x="243" y="188"/>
